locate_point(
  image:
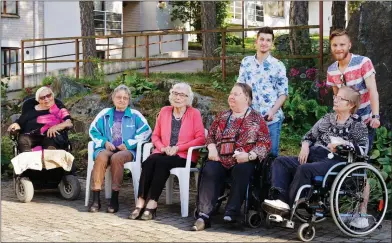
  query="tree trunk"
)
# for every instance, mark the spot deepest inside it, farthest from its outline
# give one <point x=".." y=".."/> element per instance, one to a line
<point x="88" y="29"/>
<point x="338" y="15"/>
<point x="299" y="39"/>
<point x="209" y="40"/>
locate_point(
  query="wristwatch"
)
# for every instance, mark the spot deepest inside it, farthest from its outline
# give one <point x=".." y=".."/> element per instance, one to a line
<point x="251" y="156"/>
<point x="376" y="116"/>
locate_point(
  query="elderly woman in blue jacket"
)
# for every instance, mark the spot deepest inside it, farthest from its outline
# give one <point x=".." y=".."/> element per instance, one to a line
<point x="115" y="132"/>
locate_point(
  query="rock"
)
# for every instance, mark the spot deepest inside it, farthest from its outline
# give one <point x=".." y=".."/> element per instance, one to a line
<point x="203" y="104"/>
<point x="370" y="30"/>
<point x="65" y="87"/>
<point x="216" y="69"/>
<point x="84" y="111"/>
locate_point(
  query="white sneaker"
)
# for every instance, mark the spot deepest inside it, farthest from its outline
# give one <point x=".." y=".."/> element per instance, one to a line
<point x="360" y="222"/>
<point x="277" y="204"/>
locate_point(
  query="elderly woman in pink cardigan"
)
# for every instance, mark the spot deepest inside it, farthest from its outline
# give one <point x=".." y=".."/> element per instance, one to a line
<point x="178" y="127"/>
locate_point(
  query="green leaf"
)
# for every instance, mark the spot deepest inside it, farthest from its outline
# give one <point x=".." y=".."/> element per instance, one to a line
<point x="384" y="161"/>
<point x="375" y="154"/>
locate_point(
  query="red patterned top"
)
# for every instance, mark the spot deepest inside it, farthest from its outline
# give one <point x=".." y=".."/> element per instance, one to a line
<point x="252" y="134"/>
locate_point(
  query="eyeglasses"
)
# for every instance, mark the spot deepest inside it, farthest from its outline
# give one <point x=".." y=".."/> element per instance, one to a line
<point x="236" y="94"/>
<point x="343" y="79"/>
<point x="125" y="98"/>
<point x="182" y="95"/>
<point x="338" y="98"/>
<point x="46" y="96"/>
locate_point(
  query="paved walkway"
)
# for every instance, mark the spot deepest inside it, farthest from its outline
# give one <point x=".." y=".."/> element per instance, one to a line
<point x="48" y="218"/>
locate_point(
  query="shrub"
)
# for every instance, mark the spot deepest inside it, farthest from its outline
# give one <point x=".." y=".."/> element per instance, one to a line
<point x="137" y="84"/>
<point x="7" y="153"/>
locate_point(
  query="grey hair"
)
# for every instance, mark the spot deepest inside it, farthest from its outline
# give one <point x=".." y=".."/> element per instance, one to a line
<point x="39" y="91"/>
<point x="124" y="88"/>
<point x="184" y="86"/>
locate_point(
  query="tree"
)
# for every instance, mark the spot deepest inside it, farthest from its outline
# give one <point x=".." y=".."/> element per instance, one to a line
<point x="88" y="29"/>
<point x="338" y="15"/>
<point x="190" y="11"/>
<point x="209" y="40"/>
<point x="299" y="39"/>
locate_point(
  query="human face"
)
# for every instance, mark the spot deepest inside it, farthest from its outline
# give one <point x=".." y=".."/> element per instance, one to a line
<point x="264" y="43"/>
<point x="179" y="97"/>
<point x="46" y="99"/>
<point x="340" y="47"/>
<point x="341" y="103"/>
<point x="237" y="100"/>
<point x="121" y="100"/>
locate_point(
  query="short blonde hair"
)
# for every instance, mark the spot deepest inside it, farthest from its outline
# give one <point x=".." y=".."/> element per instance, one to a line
<point x="39" y="91"/>
<point x="353" y="96"/>
<point x="338" y="32"/>
<point x="183" y="86"/>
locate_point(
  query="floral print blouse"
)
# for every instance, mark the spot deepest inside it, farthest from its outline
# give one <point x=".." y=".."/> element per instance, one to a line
<point x="268" y="81"/>
<point x="251" y="135"/>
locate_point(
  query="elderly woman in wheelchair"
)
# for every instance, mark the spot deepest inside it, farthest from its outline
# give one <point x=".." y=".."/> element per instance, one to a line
<point x="43" y="124"/>
<point x="316" y="168"/>
<point x="236" y="140"/>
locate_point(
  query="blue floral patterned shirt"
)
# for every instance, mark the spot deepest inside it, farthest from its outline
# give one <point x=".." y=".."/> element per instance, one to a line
<point x="268" y="81"/>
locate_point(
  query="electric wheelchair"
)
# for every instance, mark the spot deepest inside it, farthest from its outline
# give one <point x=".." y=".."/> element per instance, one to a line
<point x="339" y="194"/>
<point x="30" y="180"/>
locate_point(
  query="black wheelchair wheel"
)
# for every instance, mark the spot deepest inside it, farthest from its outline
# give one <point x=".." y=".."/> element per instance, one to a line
<point x="306" y="233"/>
<point x="254" y="219"/>
<point x="69" y="187"/>
<point x="361" y="186"/>
<point x="24" y="189"/>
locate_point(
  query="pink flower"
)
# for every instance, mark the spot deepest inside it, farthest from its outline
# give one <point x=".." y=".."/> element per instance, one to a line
<point x="293" y="72"/>
<point x="311" y="73"/>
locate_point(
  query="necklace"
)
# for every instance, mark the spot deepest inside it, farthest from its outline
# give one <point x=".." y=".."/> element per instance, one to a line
<point x="180" y="116"/>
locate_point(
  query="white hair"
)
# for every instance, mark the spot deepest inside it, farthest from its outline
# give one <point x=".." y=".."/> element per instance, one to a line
<point x="39" y="91"/>
<point x="120" y="88"/>
<point x="183" y="86"/>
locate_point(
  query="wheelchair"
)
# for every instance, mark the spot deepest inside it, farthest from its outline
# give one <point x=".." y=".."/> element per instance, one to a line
<point x="253" y="215"/>
<point x="30" y="180"/>
<point x="339" y="194"/>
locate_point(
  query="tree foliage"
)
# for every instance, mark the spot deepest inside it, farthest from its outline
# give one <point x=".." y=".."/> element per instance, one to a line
<point x="190" y="11"/>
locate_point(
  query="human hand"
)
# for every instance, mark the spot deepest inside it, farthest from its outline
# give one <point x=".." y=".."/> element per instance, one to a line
<point x="122" y="147"/>
<point x="53" y="131"/>
<point x="172" y="151"/>
<point x="13" y="127"/>
<point x="109" y="146"/>
<point x="241" y="157"/>
<point x="332" y="147"/>
<point x="304" y="153"/>
<point x="374" y="123"/>
<point x="213" y="154"/>
<point x="270" y="115"/>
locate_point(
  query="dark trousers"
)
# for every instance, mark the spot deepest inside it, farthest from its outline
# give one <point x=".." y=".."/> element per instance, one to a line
<point x="213" y="180"/>
<point x="288" y="175"/>
<point x="27" y="142"/>
<point x="371" y="135"/>
<point x="155" y="172"/>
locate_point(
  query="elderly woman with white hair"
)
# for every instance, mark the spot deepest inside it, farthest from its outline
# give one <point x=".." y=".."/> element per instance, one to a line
<point x="115" y="132"/>
<point x="42" y="123"/>
<point x="178" y="127"/>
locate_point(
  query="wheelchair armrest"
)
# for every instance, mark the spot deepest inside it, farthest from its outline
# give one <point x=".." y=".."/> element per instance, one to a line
<point x="14" y="134"/>
<point x="345" y="149"/>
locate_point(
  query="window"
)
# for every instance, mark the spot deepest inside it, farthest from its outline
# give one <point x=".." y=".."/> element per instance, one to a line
<point x="276" y="9"/>
<point x="9" y="8"/>
<point x="255" y="11"/>
<point x="236" y="9"/>
<point x="9" y="60"/>
<point x="99" y="5"/>
<point x="107" y="23"/>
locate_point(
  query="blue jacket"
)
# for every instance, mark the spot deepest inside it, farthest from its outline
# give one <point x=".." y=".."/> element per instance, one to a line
<point x="134" y="129"/>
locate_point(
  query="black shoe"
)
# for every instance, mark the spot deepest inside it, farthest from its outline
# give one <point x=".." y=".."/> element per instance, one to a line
<point x="137" y="213"/>
<point x="201" y="223"/>
<point x="96" y="204"/>
<point x="149" y="214"/>
<point x="113" y="206"/>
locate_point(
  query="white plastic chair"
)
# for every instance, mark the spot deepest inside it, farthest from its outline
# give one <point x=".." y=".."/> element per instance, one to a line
<point x="133" y="166"/>
<point x="183" y="175"/>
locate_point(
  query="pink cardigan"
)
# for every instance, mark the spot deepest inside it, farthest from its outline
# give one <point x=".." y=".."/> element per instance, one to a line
<point x="191" y="131"/>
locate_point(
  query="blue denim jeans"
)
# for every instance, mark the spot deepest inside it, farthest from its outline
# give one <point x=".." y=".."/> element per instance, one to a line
<point x="274" y="131"/>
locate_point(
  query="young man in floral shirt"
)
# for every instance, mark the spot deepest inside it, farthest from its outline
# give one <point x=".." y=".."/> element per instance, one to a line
<point x="267" y="77"/>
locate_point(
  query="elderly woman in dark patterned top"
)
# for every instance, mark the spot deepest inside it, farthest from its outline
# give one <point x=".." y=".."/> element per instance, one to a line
<point x="290" y="173"/>
<point x="237" y="139"/>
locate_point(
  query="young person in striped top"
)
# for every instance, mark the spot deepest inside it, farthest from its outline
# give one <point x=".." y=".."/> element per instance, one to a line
<point x="357" y="72"/>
